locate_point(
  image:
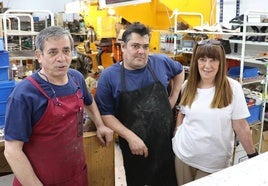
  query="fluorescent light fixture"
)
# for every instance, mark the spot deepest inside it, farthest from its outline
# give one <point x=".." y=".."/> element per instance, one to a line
<point x="74" y="7"/>
<point x="117" y="3"/>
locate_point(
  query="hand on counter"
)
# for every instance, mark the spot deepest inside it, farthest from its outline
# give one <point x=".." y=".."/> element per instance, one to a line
<point x="105" y="135"/>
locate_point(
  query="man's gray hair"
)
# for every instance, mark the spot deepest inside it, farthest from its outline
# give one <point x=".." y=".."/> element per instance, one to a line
<point x="51" y="32"/>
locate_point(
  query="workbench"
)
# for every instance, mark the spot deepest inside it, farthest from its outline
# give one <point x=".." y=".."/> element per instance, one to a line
<point x="250" y="172"/>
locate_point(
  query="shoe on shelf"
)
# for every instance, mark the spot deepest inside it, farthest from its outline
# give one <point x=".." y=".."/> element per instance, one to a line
<point x="253" y="38"/>
<point x="262" y="30"/>
<point x="238" y="19"/>
<point x="213" y="28"/>
<point x="255" y="29"/>
<point x="200" y="27"/>
<point x="207" y="28"/>
<point x="235" y="37"/>
<point x="227" y="27"/>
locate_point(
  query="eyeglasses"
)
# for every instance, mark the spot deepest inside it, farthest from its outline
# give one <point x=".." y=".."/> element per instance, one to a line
<point x="209" y="41"/>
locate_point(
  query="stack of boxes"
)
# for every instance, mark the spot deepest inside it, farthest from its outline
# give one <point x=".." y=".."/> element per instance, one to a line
<point x="6" y="85"/>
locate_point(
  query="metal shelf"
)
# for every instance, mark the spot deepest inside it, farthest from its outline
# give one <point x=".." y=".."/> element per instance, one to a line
<point x="21" y="33"/>
<point x="18" y="31"/>
<point x="22" y="55"/>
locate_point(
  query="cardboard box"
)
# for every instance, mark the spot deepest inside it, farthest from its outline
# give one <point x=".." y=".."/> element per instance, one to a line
<point x="255" y="114"/>
<point x="264" y="145"/>
<point x="256" y="132"/>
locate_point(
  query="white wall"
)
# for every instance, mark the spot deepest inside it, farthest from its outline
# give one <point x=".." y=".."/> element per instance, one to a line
<point x="229" y="8"/>
<point x="55" y="6"/>
<point x="52" y="5"/>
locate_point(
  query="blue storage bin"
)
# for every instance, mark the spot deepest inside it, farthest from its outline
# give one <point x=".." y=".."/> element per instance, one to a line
<point x="2" y="121"/>
<point x="248" y="72"/>
<point x="3" y="105"/>
<point x="6" y="88"/>
<point x="255" y="114"/>
<point x="4" y="58"/>
<point x="4" y="73"/>
<point x="1" y="44"/>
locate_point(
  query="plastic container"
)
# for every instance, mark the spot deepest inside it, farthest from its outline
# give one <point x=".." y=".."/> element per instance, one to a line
<point x="4" y="58"/>
<point x="248" y="72"/>
<point x="4" y="73"/>
<point x="255" y="114"/>
<point x="36" y="19"/>
<point x="3" y="105"/>
<point x="6" y="88"/>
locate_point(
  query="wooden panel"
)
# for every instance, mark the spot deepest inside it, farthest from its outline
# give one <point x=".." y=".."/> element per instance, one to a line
<point x="4" y="166"/>
<point x="100" y="161"/>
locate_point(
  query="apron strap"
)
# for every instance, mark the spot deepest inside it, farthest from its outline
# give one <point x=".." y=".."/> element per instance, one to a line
<point x="32" y="80"/>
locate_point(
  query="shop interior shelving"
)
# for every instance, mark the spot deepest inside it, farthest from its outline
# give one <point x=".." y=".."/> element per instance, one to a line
<point x="16" y="50"/>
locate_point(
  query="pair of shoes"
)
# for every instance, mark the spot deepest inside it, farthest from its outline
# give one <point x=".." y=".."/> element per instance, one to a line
<point x="207" y="28"/>
<point x="230" y="26"/>
<point x="262" y="30"/>
<point x="253" y="38"/>
<point x="238" y="19"/>
<point x="213" y="28"/>
<point x="201" y="27"/>
<point x="226" y="27"/>
<point x="257" y="30"/>
<point x="197" y="36"/>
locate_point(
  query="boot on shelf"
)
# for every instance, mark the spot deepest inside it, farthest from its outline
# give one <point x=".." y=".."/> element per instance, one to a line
<point x="253" y="38"/>
<point x="262" y="30"/>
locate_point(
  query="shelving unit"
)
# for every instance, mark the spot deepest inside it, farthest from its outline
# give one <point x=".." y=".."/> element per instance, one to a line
<point x="19" y="34"/>
<point x="244" y="55"/>
<point x="252" y="60"/>
<point x="22" y="53"/>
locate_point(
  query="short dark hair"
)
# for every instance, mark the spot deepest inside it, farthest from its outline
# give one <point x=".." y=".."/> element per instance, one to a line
<point x="135" y="27"/>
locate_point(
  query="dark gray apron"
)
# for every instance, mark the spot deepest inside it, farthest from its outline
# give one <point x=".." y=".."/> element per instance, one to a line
<point x="148" y="114"/>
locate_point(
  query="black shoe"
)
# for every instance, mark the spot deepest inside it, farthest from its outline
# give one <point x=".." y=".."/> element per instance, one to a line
<point x="256" y="30"/>
<point x="252" y="38"/>
<point x="238" y="19"/>
<point x="262" y="30"/>
<point x="233" y="37"/>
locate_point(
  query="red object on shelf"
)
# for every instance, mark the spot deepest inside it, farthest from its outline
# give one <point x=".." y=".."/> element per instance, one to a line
<point x="232" y="63"/>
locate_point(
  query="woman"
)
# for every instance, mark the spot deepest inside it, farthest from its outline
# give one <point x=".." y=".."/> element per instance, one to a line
<point x="212" y="110"/>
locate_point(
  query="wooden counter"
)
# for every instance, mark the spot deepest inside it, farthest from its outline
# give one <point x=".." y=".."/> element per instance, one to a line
<point x="4" y="166"/>
<point x="100" y="161"/>
<point x="2" y="143"/>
